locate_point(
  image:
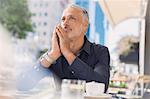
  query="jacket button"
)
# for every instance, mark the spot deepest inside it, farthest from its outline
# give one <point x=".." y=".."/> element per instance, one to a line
<point x="72" y="72"/>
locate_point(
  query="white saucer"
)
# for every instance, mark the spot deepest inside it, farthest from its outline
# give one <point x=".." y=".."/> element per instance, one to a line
<point x="100" y="96"/>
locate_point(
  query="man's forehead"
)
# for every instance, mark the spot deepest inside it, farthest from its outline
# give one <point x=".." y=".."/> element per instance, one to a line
<point x="73" y="10"/>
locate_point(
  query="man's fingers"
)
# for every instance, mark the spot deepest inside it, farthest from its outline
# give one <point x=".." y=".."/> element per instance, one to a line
<point x="54" y="33"/>
<point x="62" y="31"/>
<point x="55" y="36"/>
<point x="59" y="34"/>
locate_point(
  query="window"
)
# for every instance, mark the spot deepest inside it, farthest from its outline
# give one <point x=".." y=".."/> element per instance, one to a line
<point x="45" y="14"/>
<point x="33" y="14"/>
<point x="44" y="33"/>
<point x="34" y="25"/>
<point x="45" y="23"/>
<point x="40" y="14"/>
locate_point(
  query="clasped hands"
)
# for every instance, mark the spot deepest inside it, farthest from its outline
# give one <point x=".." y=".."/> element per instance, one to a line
<point x="61" y="45"/>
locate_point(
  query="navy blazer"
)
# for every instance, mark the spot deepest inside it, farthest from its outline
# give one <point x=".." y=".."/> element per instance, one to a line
<point x="91" y="64"/>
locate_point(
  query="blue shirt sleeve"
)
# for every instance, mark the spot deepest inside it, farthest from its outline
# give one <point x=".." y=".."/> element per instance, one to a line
<point x="27" y="79"/>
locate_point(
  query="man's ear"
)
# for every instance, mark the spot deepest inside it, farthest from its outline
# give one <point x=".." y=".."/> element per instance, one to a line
<point x="86" y="28"/>
<point x="86" y="22"/>
<point x="86" y="25"/>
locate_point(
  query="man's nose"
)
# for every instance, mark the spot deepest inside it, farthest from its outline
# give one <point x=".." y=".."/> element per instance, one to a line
<point x="66" y="22"/>
<point x="65" y="25"/>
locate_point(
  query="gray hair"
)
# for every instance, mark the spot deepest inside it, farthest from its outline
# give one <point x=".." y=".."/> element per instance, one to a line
<point x="85" y="13"/>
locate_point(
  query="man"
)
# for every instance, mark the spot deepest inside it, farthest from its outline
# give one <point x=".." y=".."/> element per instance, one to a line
<point x="72" y="56"/>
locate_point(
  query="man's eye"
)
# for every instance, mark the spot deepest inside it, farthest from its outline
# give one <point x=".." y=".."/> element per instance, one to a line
<point x="73" y="18"/>
<point x="63" y="19"/>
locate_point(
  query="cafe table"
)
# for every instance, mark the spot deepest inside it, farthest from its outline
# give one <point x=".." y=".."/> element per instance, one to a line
<point x="48" y="94"/>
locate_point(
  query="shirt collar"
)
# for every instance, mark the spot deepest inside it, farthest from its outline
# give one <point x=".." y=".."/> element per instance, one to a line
<point x="86" y="45"/>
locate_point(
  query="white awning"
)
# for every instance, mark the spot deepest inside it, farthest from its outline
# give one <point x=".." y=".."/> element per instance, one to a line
<point x="117" y="11"/>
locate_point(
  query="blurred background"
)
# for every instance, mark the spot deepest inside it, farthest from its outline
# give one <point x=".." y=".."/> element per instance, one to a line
<point x="123" y="26"/>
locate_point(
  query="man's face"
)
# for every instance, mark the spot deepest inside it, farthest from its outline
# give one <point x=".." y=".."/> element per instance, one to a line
<point x="72" y="22"/>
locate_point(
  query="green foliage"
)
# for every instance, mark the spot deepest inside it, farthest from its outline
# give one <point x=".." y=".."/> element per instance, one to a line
<point x="15" y="16"/>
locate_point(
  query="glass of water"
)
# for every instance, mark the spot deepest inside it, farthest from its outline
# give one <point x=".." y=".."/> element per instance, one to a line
<point x="72" y="89"/>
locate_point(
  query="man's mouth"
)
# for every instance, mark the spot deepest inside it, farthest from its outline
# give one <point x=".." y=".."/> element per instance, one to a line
<point x="67" y="29"/>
